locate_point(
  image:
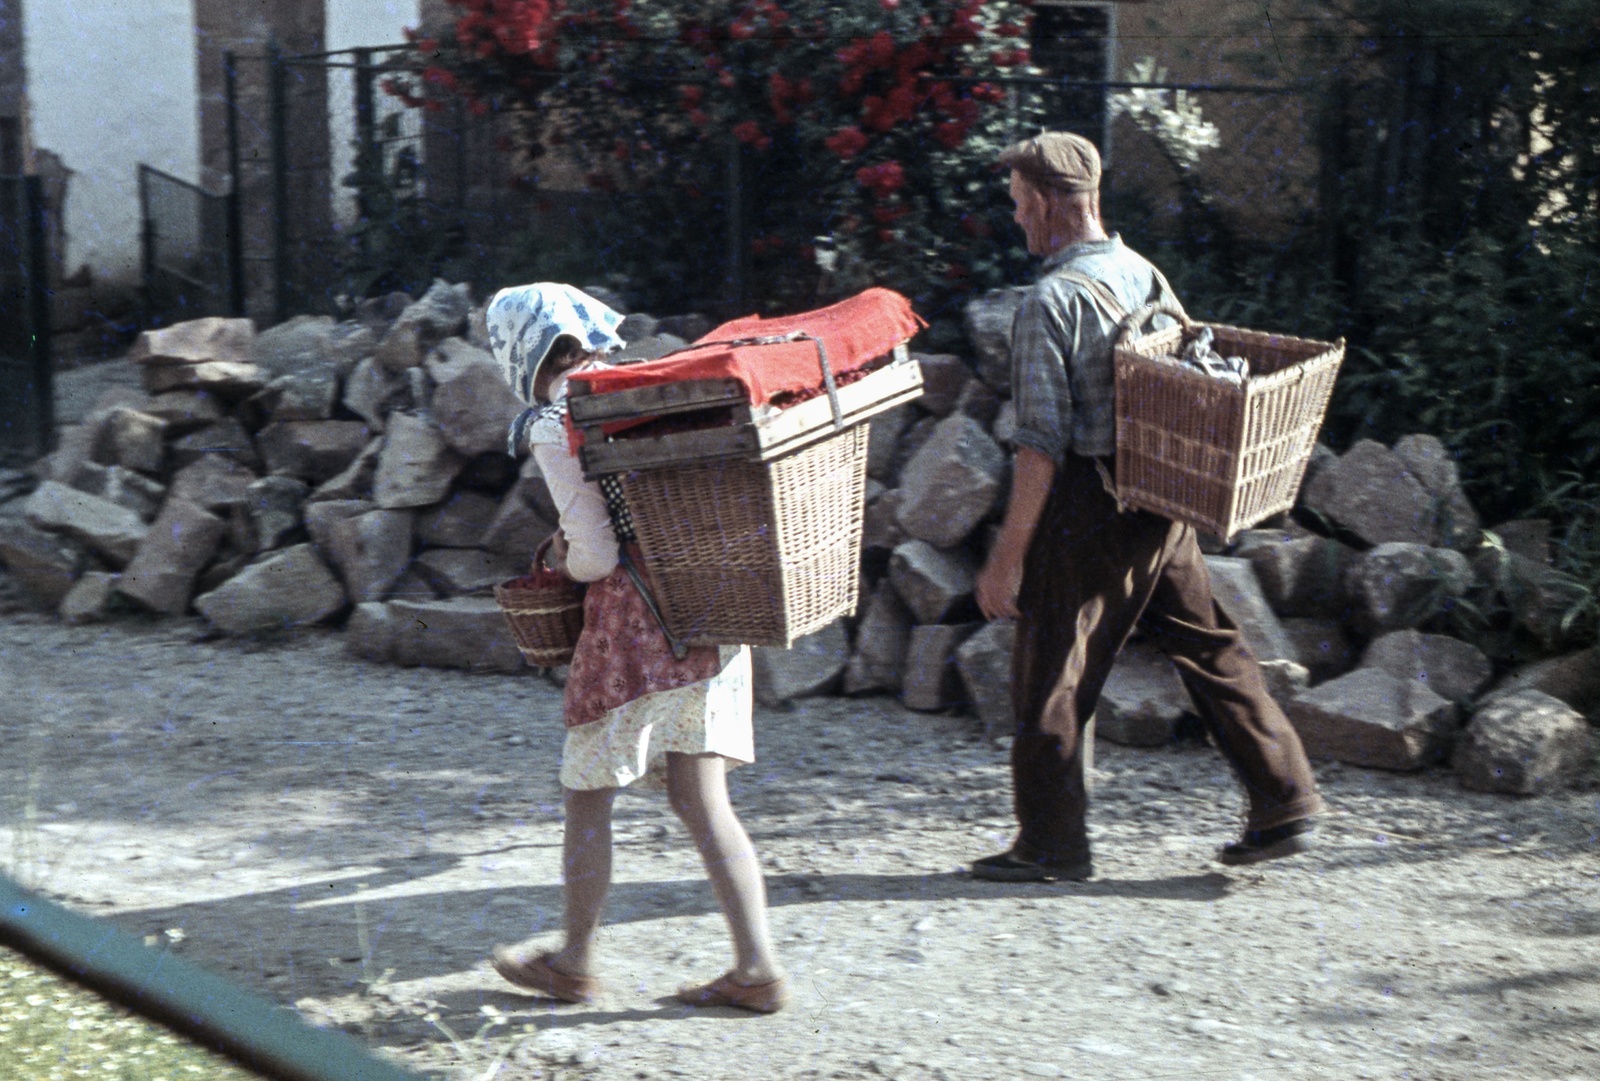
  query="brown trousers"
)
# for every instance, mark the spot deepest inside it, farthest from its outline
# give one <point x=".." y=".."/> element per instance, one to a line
<point x="1091" y="574"/>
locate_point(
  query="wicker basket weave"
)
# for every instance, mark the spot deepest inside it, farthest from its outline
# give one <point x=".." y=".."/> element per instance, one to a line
<point x="545" y="620"/>
<point x="756" y="553"/>
<point x="1202" y="451"/>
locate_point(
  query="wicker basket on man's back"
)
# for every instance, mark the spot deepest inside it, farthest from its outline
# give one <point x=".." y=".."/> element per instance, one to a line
<point x="742" y="462"/>
<point x="1217" y="437"/>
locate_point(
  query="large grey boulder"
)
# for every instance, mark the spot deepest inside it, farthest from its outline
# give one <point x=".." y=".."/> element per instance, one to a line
<point x="370" y="632"/>
<point x="1303" y="576"/>
<point x="309" y="395"/>
<point x="225" y="378"/>
<point x="1371" y="718"/>
<point x="918" y="432"/>
<point x="226" y="437"/>
<point x="1370" y="492"/>
<point x="195" y="342"/>
<point x="979" y="401"/>
<point x="654" y="347"/>
<point x="1238" y="592"/>
<point x="132" y="439"/>
<point x="935" y="584"/>
<point x="1143" y="698"/>
<point x="883" y="435"/>
<point x="461" y="632"/>
<point x="944" y="375"/>
<point x="881" y="640"/>
<point x="214" y="482"/>
<point x="880" y="523"/>
<point x="1525" y="742"/>
<point x="74" y="446"/>
<point x="299" y="345"/>
<point x="951" y="483"/>
<point x="454" y="571"/>
<point x="439" y="313"/>
<point x="472" y="405"/>
<point x="811" y="666"/>
<point x="1004" y="427"/>
<point x="184" y="410"/>
<point x="181" y="541"/>
<point x="46" y="564"/>
<point x="637" y="326"/>
<point x="91" y="599"/>
<point x="109" y="530"/>
<point x="1322" y="646"/>
<point x="356" y="480"/>
<point x="984" y="661"/>
<point x="1456" y="523"/>
<point x="320" y="519"/>
<point x="122" y="486"/>
<point x="1396" y="586"/>
<point x="1572" y="677"/>
<point x="372" y="392"/>
<point x="458" y="522"/>
<point x="987" y="320"/>
<point x="369" y="551"/>
<point x="1452" y="669"/>
<point x="287" y="589"/>
<point x="416" y="465"/>
<point x="1540" y="597"/>
<point x="1285" y="680"/>
<point x="516" y="529"/>
<point x="269" y="514"/>
<point x="931" y="679"/>
<point x="314" y="450"/>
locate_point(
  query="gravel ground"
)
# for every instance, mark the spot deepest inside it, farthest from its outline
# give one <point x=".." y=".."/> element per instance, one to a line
<point x="350" y="839"/>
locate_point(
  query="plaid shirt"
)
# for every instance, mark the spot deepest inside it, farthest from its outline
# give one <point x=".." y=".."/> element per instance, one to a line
<point x="1061" y="371"/>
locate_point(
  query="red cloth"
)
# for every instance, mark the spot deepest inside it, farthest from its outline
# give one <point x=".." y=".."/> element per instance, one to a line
<point x="854" y="331"/>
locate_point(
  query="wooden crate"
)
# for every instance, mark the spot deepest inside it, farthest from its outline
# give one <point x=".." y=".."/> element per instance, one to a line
<point x="736" y="429"/>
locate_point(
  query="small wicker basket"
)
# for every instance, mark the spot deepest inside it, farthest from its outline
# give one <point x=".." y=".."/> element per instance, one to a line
<point x="1203" y="451"/>
<point x="545" y="618"/>
<point x="758" y="553"/>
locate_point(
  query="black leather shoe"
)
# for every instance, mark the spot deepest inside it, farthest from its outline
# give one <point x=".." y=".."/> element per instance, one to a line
<point x="1010" y="867"/>
<point x="1288" y="839"/>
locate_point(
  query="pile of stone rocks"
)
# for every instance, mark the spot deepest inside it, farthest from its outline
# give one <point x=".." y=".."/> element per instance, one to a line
<point x="357" y="471"/>
<point x="1349" y="618"/>
<point x="283" y="478"/>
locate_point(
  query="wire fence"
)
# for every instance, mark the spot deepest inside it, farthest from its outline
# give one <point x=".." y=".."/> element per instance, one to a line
<point x="187" y="241"/>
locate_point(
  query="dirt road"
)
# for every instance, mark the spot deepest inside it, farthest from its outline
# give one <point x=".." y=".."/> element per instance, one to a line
<point x="351" y="839"/>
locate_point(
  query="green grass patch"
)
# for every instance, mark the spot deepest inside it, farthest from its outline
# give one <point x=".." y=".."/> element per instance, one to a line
<point x="51" y="1028"/>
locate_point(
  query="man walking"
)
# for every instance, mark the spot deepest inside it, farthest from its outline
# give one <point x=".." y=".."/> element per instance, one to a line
<point x="1077" y="573"/>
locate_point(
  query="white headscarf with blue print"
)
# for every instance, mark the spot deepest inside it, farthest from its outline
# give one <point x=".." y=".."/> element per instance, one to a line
<point x="524" y="321"/>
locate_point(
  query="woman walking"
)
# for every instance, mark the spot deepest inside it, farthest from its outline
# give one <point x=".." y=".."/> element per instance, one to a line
<point x="634" y="713"/>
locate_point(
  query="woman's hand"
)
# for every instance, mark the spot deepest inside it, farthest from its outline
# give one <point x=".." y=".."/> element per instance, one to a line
<point x="555" y="557"/>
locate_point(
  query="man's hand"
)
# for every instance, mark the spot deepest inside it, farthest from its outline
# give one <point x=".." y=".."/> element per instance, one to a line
<point x="555" y="557"/>
<point x="1001" y="578"/>
<point x="998" y="584"/>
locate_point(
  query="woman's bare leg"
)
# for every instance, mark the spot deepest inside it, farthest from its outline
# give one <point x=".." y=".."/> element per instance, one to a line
<point x="586" y="876"/>
<point x="697" y="788"/>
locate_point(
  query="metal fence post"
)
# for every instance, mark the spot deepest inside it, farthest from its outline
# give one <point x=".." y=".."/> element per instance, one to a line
<point x="366" y="132"/>
<point x="235" y="213"/>
<point x="147" y="244"/>
<point x="39" y="313"/>
<point x="278" y="125"/>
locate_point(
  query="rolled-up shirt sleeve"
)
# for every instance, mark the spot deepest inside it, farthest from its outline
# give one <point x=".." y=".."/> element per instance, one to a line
<point x="591" y="544"/>
<point x="1040" y="384"/>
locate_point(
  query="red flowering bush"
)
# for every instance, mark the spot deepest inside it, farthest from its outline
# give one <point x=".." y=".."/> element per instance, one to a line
<point x="864" y="134"/>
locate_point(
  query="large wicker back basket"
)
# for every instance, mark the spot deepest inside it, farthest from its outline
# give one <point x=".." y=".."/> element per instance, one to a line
<point x="754" y="552"/>
<point x="1203" y="451"/>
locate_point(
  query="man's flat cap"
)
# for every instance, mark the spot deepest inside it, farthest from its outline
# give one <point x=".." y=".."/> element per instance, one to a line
<point x="1056" y="159"/>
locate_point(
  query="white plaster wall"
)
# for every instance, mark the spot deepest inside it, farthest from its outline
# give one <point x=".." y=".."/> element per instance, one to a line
<point x="354" y="24"/>
<point x="111" y="84"/>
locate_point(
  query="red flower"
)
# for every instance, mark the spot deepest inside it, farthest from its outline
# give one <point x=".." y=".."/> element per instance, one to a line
<point x="438" y="76"/>
<point x="478" y="107"/>
<point x="427" y="45"/>
<point x="950" y="133"/>
<point x="975" y="226"/>
<point x="988" y="92"/>
<point x="1008" y="30"/>
<point x="882" y="180"/>
<point x="886" y="236"/>
<point x="888" y="5"/>
<point x="691" y="95"/>
<point x="887" y="215"/>
<point x="748" y="131"/>
<point x="698" y="117"/>
<point x="846" y="142"/>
